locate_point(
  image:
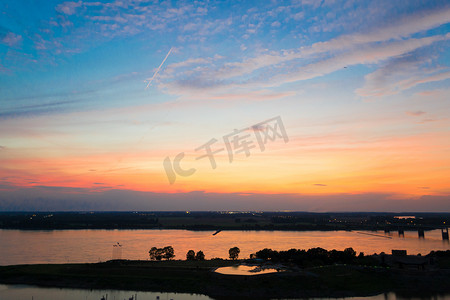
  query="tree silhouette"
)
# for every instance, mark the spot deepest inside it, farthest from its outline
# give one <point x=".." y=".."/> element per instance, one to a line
<point x="155" y="253"/>
<point x="160" y="253"/>
<point x="234" y="252"/>
<point x="350" y="252"/>
<point x="168" y="252"/>
<point x="200" y="255"/>
<point x="190" y="255"/>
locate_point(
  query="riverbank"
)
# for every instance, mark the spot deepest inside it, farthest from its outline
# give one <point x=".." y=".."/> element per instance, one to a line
<point x="225" y="220"/>
<point x="198" y="277"/>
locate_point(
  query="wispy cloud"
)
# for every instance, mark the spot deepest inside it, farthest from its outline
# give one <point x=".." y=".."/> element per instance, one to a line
<point x="189" y="62"/>
<point x="259" y="95"/>
<point x="11" y="39"/>
<point x="104" y="21"/>
<point x="366" y="55"/>
<point x="44" y="103"/>
<point x="69" y="7"/>
<point x="415" y="113"/>
<point x="402" y="28"/>
<point x="402" y="73"/>
<point x="275" y="68"/>
<point x="397" y="30"/>
<point x="269" y="70"/>
<point x="428" y="120"/>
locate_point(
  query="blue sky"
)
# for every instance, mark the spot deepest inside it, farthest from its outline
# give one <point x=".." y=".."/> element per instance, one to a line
<point x="361" y="87"/>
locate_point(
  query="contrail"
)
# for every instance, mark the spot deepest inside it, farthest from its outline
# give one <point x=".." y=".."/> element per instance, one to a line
<point x="154" y="75"/>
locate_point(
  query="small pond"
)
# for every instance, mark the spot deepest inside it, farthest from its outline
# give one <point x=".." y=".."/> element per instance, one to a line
<point x="245" y="270"/>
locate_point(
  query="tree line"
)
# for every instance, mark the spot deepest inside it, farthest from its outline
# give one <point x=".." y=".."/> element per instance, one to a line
<point x="168" y="253"/>
<point x="314" y="256"/>
<point x="303" y="258"/>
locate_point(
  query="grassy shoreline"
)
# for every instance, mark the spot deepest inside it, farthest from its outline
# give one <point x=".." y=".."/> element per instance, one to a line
<point x="197" y="277"/>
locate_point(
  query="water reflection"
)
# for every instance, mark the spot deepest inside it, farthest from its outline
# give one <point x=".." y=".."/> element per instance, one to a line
<point x="62" y="246"/>
<point x="245" y="270"/>
<point x="24" y="292"/>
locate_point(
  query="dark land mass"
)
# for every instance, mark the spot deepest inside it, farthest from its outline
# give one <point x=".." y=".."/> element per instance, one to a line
<point x="224" y="220"/>
<point x="337" y="280"/>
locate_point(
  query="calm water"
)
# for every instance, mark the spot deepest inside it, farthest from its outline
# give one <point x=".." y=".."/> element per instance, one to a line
<point x="60" y="246"/>
<point x="23" y="292"/>
<point x="244" y="270"/>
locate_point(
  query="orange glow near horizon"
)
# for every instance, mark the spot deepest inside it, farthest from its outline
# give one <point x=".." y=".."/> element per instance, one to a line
<point x="395" y="166"/>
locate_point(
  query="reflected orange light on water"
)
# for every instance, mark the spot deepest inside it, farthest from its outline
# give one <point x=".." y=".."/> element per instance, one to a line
<point x="61" y="246"/>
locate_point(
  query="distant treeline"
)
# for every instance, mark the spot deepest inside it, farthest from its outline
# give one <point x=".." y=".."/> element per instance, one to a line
<point x="222" y="220"/>
<point x="78" y="220"/>
<point x="312" y="257"/>
<point x="321" y="257"/>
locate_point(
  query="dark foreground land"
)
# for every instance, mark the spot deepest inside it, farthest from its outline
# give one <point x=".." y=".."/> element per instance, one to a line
<point x="198" y="277"/>
<point x="224" y="220"/>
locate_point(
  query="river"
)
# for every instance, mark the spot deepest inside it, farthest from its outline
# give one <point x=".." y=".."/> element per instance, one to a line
<point x="24" y="292"/>
<point x="62" y="246"/>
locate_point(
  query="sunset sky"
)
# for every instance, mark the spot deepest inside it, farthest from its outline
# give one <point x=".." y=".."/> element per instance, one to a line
<point x="96" y="95"/>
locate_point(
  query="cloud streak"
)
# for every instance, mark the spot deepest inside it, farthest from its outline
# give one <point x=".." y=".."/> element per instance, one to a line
<point x="415" y="113"/>
<point x="275" y="68"/>
<point x="225" y="78"/>
<point x="402" y="73"/>
<point x="159" y="68"/>
<point x="43" y="198"/>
